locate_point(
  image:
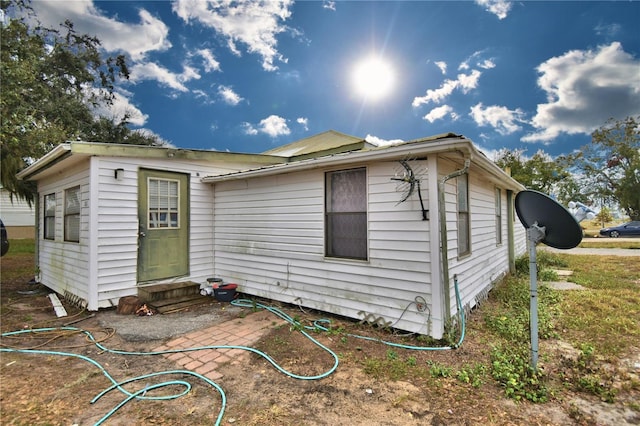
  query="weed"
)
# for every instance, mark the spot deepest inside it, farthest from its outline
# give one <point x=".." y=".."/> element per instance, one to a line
<point x="588" y="376"/>
<point x="473" y="375"/>
<point x="510" y="367"/>
<point x="392" y="355"/>
<point x="411" y="361"/>
<point x="547" y="275"/>
<point x="438" y="370"/>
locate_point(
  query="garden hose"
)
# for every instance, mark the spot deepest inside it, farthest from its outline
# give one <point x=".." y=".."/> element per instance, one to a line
<point x="186" y="386"/>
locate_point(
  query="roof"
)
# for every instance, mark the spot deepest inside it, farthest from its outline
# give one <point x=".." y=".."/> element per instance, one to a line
<point x="80" y="150"/>
<point x="329" y="148"/>
<point x="447" y="144"/>
<point x="325" y="143"/>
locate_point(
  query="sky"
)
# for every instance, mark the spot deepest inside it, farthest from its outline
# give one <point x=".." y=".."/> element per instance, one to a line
<point x="248" y="76"/>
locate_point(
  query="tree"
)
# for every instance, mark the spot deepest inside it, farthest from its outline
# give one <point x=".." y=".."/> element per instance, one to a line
<point x="603" y="217"/>
<point x="540" y="172"/>
<point x="610" y="165"/>
<point x="51" y="84"/>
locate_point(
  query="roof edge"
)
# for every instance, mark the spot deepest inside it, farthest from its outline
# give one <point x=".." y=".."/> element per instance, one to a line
<point x="54" y="156"/>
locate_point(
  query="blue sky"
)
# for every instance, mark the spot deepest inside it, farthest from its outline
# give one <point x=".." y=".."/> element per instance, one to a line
<point x="250" y="76"/>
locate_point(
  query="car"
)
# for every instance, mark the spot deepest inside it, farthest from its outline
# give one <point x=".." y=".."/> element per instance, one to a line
<point x="629" y="229"/>
<point x="5" y="239"/>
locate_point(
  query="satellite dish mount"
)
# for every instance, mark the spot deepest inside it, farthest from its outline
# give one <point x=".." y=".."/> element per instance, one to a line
<point x="548" y="222"/>
<point x="408" y="182"/>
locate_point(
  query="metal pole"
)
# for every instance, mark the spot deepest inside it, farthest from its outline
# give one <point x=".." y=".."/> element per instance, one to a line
<point x="533" y="303"/>
<point x="535" y="234"/>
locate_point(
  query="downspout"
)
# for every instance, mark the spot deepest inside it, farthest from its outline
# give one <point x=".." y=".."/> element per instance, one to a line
<point x="444" y="247"/>
<point x="510" y="231"/>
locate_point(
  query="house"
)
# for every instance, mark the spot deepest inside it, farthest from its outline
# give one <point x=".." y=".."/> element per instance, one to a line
<point x="329" y="222"/>
<point x="17" y="215"/>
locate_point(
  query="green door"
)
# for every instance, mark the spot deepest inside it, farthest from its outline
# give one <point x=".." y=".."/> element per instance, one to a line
<point x="163" y="212"/>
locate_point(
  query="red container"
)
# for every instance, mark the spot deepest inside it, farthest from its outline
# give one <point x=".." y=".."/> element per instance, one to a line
<point x="225" y="292"/>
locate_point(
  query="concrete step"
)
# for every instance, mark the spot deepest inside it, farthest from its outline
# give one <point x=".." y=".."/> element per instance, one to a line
<point x="158" y="292"/>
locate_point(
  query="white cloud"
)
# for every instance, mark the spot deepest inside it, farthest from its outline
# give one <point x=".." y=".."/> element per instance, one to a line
<point x="151" y="34"/>
<point x="500" y="8"/>
<point x="254" y="24"/>
<point x="464" y="82"/>
<point x="327" y="4"/>
<point x="229" y="96"/>
<point x="487" y="64"/>
<point x="439" y="113"/>
<point x="210" y="62"/>
<point x="304" y="122"/>
<point x="585" y="88"/>
<point x="249" y="129"/>
<point x="153" y="71"/>
<point x="273" y="126"/>
<point x="477" y="59"/>
<point x="608" y="30"/>
<point x="382" y="142"/>
<point x="502" y="119"/>
<point x="442" y="65"/>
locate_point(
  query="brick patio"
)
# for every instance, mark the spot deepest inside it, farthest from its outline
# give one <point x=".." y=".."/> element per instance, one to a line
<point x="235" y="332"/>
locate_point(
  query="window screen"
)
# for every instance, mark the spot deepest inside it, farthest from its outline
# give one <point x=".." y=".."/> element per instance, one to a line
<point x="498" y="216"/>
<point x="346" y="214"/>
<point x="49" y="216"/>
<point x="72" y="214"/>
<point x="464" y="243"/>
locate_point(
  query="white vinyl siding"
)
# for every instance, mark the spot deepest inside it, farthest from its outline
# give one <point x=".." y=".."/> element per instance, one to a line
<point x="63" y="265"/>
<point x="109" y="225"/>
<point x="269" y="239"/>
<point x="488" y="263"/>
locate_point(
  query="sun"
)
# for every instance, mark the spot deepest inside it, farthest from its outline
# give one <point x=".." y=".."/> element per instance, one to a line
<point x="373" y="78"/>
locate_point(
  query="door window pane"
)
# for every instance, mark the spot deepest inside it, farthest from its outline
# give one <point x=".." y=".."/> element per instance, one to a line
<point x="164" y="197"/>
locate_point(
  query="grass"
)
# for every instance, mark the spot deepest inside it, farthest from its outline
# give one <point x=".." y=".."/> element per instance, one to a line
<point x="607" y="315"/>
<point x="601" y="323"/>
<point x="22" y="246"/>
<point x="18" y="262"/>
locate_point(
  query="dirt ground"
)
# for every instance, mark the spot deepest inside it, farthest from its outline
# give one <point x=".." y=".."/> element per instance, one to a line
<point x="374" y="384"/>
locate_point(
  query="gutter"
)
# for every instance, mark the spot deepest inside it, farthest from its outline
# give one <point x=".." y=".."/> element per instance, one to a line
<point x="444" y="246"/>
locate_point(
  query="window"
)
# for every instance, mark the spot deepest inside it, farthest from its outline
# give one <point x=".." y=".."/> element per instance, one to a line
<point x="498" y="216"/>
<point x="72" y="214"/>
<point x="464" y="243"/>
<point x="163" y="203"/>
<point x="346" y="214"/>
<point x="50" y="216"/>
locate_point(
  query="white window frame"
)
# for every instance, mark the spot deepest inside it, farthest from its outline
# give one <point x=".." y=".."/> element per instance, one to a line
<point x="464" y="215"/>
<point x="72" y="214"/>
<point x="49" y="216"/>
<point x="163" y="207"/>
<point x="498" y="216"/>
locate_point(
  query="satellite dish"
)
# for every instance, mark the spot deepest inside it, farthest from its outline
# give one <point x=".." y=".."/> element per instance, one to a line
<point x="548" y="222"/>
<point x="561" y="228"/>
